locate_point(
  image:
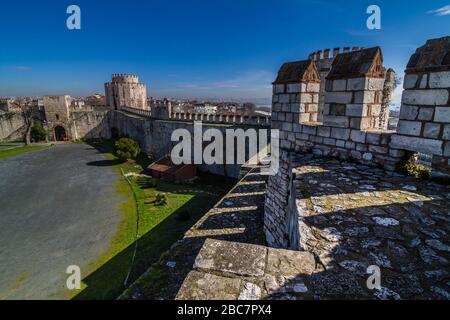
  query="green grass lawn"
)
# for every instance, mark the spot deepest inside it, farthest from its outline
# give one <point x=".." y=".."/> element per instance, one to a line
<point x="158" y="228"/>
<point x="10" y="151"/>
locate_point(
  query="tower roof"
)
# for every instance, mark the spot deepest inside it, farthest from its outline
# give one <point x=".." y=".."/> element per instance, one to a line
<point x="433" y="56"/>
<point x="356" y="64"/>
<point x="298" y="71"/>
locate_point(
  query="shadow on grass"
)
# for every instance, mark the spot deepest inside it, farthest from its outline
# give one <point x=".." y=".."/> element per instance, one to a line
<point x="107" y="282"/>
<point x="104" y="163"/>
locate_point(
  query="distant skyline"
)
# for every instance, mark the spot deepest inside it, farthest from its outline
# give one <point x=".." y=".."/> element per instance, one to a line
<point x="196" y="48"/>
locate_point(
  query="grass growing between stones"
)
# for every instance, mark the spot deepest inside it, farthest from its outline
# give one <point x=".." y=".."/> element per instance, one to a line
<point x="155" y="227"/>
<point x="10" y="151"/>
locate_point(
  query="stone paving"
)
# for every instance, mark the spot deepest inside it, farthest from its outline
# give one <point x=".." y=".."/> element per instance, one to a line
<point x="353" y="216"/>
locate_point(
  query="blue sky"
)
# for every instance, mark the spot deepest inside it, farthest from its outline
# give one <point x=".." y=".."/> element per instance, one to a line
<point x="195" y="48"/>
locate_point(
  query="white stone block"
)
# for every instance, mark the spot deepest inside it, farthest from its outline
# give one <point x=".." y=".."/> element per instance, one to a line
<point x="446" y="135"/>
<point x="408" y="112"/>
<point x="294" y="88"/>
<point x="306" y="98"/>
<point x="427" y="146"/>
<point x="440" y="79"/>
<point x="338" y="97"/>
<point x="410" y="128"/>
<point x="284" y="98"/>
<point x="432" y="130"/>
<point x="304" y="117"/>
<point x="410" y="81"/>
<point x="425" y="97"/>
<point x="313" y="87"/>
<point x="364" y="97"/>
<point x="424" y="81"/>
<point x="442" y="114"/>
<point x="279" y="88"/>
<point x="358" y="136"/>
<point x="312" y="107"/>
<point x="356" y="110"/>
<point x="342" y="134"/>
<point x="339" y="85"/>
<point x="447" y="150"/>
<point x="356" y="84"/>
<point x="375" y="84"/>
<point x="426" y="114"/>
<point x="375" y="110"/>
<point x="336" y="121"/>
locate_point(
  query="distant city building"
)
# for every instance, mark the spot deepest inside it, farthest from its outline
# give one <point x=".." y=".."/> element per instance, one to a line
<point x="7" y="105"/>
<point x="205" y="108"/>
<point x="125" y="91"/>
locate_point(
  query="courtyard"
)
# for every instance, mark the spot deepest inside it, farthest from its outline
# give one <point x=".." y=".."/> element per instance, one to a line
<point x="72" y="205"/>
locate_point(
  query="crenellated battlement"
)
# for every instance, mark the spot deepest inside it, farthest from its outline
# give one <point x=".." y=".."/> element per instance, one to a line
<point x="328" y="54"/>
<point x="125" y="78"/>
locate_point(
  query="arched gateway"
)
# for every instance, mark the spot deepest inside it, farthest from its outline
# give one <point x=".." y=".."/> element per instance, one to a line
<point x="60" y="133"/>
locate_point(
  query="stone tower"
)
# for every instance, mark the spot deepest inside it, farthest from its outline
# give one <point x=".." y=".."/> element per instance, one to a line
<point x="324" y="60"/>
<point x="125" y="91"/>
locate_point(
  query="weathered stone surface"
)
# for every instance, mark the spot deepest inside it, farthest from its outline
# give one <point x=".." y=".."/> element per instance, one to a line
<point x="356" y="84"/>
<point x="250" y="292"/>
<point x="408" y="112"/>
<point x="425" y="114"/>
<point x="432" y="130"/>
<point x="425" y="97"/>
<point x="426" y="146"/>
<point x="290" y="263"/>
<point x="442" y="114"/>
<point x="440" y="79"/>
<point x="410" y="128"/>
<point x="338" y="133"/>
<point x="338" y="97"/>
<point x="339" y="85"/>
<point x="335" y="121"/>
<point x="206" y="286"/>
<point x="358" y="136"/>
<point x="227" y="257"/>
<point x="410" y="81"/>
<point x="356" y="110"/>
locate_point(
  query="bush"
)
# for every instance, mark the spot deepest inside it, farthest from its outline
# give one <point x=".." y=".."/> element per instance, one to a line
<point x="153" y="183"/>
<point x="411" y="168"/>
<point x="160" y="199"/>
<point x="38" y="133"/>
<point x="126" y="149"/>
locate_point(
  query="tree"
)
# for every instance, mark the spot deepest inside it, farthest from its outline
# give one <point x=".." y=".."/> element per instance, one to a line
<point x="38" y="133"/>
<point x="126" y="148"/>
<point x="26" y="109"/>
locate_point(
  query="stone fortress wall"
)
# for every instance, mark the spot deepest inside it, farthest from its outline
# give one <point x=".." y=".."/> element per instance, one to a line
<point x="354" y="125"/>
<point x="12" y="126"/>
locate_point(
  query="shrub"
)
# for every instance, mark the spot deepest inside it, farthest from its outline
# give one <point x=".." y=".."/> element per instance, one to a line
<point x="126" y="149"/>
<point x="160" y="199"/>
<point x="411" y="168"/>
<point x="184" y="215"/>
<point x="38" y="133"/>
<point x="153" y="183"/>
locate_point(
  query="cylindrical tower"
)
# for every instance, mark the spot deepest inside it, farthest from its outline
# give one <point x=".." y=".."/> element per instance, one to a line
<point x="125" y="91"/>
